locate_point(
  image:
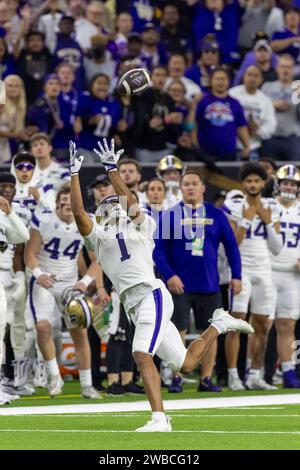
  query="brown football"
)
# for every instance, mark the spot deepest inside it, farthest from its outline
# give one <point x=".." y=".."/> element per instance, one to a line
<point x="133" y="82"/>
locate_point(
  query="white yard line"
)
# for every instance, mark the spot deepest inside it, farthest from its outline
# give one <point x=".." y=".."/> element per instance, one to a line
<point x="203" y="431"/>
<point x="199" y="403"/>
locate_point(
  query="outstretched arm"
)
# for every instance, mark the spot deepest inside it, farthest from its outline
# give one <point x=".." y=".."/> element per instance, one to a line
<point x="82" y="219"/>
<point x="110" y="159"/>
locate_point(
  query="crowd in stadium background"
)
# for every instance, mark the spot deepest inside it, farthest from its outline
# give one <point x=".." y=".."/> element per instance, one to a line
<point x="224" y="88"/>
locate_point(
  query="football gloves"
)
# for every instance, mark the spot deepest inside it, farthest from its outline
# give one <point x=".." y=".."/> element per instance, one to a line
<point x="107" y="155"/>
<point x="75" y="159"/>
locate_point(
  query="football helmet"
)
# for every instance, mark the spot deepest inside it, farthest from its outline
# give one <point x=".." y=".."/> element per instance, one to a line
<point x="109" y="207"/>
<point x="287" y="173"/>
<point x="78" y="308"/>
<point x="170" y="162"/>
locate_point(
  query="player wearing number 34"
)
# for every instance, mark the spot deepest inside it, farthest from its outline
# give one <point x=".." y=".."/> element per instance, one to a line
<point x="121" y="236"/>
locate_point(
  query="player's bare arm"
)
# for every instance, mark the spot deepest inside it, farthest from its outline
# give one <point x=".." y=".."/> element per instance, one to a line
<point x="30" y="255"/>
<point x="110" y="158"/>
<point x="82" y="219"/>
<point x="89" y="274"/>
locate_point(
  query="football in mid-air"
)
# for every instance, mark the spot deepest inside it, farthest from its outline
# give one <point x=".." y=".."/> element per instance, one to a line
<point x="133" y="82"/>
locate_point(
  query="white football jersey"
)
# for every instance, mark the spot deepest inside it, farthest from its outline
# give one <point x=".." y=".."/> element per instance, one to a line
<point x="254" y="247"/>
<point x="61" y="245"/>
<point x="7" y="250"/>
<point x="124" y="252"/>
<point x="55" y="174"/>
<point x="290" y="230"/>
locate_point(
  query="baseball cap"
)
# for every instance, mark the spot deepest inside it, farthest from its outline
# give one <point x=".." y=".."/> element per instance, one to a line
<point x="100" y="179"/>
<point x="210" y="46"/>
<point x="149" y="26"/>
<point x="262" y="43"/>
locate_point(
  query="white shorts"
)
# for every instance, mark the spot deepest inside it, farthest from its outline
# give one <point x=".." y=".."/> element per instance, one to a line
<point x="286" y="300"/>
<point x="154" y="332"/>
<point x="6" y="279"/>
<point x="257" y="290"/>
<point x="44" y="303"/>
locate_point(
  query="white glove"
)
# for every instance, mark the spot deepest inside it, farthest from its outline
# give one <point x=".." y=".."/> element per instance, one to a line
<point x="19" y="282"/>
<point x="75" y="160"/>
<point x="108" y="156"/>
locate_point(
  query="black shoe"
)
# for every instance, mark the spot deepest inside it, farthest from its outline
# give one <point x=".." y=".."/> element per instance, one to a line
<point x="134" y="389"/>
<point x="116" y="389"/>
<point x="99" y="387"/>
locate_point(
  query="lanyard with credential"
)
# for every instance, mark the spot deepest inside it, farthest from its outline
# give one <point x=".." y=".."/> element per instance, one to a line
<point x="197" y="242"/>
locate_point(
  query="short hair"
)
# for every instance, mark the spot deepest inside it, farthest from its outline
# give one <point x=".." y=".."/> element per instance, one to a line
<point x="35" y="33"/>
<point x="40" y="136"/>
<point x="220" y="68"/>
<point x="270" y="161"/>
<point x="251" y="168"/>
<point x="64" y="189"/>
<point x="162" y="67"/>
<point x="131" y="161"/>
<point x="192" y="172"/>
<point x="157" y="178"/>
<point x="99" y="75"/>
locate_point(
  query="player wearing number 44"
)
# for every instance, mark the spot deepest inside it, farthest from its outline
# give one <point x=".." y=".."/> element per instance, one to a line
<point x="52" y="255"/>
<point x="256" y="223"/>
<point x="121" y="236"/>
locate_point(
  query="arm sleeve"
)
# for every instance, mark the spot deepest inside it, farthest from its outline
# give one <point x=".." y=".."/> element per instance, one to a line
<point x="274" y="239"/>
<point x="18" y="232"/>
<point x="231" y="247"/>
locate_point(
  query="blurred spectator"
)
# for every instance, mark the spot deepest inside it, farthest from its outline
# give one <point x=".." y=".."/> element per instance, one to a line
<point x="134" y="44"/>
<point x="48" y="23"/>
<point x="4" y="20"/>
<point x="68" y="50"/>
<point x="258" y="109"/>
<point x="285" y="143"/>
<point x="99" y="59"/>
<point x="45" y="112"/>
<point x="174" y="38"/>
<point x="176" y="69"/>
<point x="68" y="102"/>
<point x="142" y="11"/>
<point x="7" y="66"/>
<point x="95" y="14"/>
<point x="153" y="52"/>
<point x="288" y="40"/>
<point x="12" y="117"/>
<point x="156" y="194"/>
<point x="209" y="59"/>
<point x="270" y="168"/>
<point x="263" y="58"/>
<point x="221" y="18"/>
<point x="124" y="25"/>
<point x="156" y="122"/>
<point x="97" y="115"/>
<point x="220" y="119"/>
<point x="33" y="62"/>
<point x="259" y="15"/>
<point x="84" y="29"/>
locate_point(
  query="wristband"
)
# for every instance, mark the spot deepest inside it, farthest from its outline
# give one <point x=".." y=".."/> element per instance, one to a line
<point x="37" y="272"/>
<point x="245" y="223"/>
<point x="87" y="280"/>
<point x="19" y="275"/>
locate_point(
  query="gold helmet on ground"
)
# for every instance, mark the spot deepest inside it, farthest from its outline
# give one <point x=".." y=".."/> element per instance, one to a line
<point x="79" y="308"/>
<point x="170" y="162"/>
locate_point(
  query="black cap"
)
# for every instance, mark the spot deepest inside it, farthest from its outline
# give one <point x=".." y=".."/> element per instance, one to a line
<point x="6" y="177"/>
<point x="24" y="156"/>
<point x="134" y="36"/>
<point x="67" y="17"/>
<point x="100" y="179"/>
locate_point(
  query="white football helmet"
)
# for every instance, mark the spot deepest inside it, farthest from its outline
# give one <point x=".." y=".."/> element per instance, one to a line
<point x="109" y="208"/>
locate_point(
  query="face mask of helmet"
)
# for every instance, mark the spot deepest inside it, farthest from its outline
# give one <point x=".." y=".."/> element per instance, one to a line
<point x="172" y="185"/>
<point x="109" y="209"/>
<point x="78" y="308"/>
<point x="288" y="196"/>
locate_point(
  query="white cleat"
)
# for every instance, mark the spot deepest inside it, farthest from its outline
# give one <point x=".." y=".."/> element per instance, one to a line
<point x="55" y="385"/>
<point x="231" y="323"/>
<point x="258" y="384"/>
<point x="90" y="392"/>
<point x="40" y="374"/>
<point x="22" y="371"/>
<point x="157" y="426"/>
<point x="6" y="398"/>
<point x="235" y="384"/>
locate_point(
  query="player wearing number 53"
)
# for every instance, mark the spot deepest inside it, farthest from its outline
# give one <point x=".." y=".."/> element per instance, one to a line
<point x="52" y="255"/>
<point x="121" y="236"/>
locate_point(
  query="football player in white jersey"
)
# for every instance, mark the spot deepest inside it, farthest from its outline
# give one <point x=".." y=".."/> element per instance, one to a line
<point x="170" y="169"/>
<point x="285" y="270"/>
<point x="47" y="171"/>
<point x="123" y="243"/>
<point x="13" y="232"/>
<point x="52" y="255"/>
<point x="256" y="222"/>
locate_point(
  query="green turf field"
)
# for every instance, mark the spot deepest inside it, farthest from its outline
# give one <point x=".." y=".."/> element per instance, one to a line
<point x="256" y="427"/>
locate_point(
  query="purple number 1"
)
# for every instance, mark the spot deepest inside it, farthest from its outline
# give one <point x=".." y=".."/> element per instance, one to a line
<point x="124" y="252"/>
